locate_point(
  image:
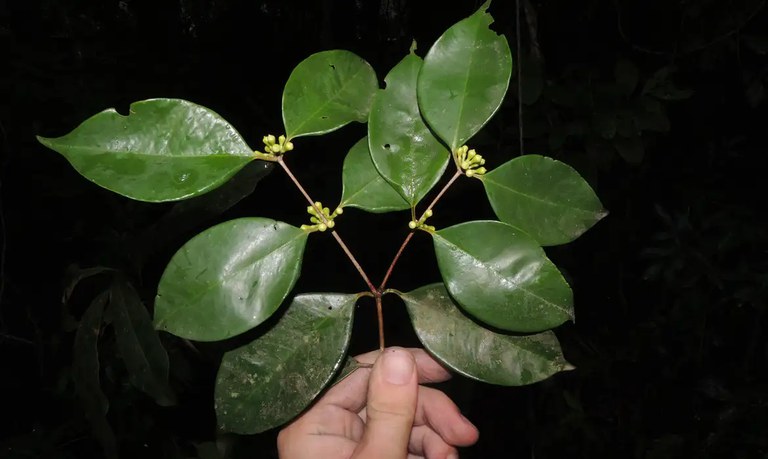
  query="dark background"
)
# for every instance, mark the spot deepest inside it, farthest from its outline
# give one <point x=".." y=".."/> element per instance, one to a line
<point x="671" y="288"/>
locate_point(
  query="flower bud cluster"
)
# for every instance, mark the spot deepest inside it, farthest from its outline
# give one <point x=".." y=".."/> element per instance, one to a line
<point x="421" y="223"/>
<point x="322" y="220"/>
<point x="469" y="161"/>
<point x="274" y="147"/>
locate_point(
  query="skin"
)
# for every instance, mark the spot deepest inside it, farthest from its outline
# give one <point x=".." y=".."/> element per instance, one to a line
<point x="382" y="413"/>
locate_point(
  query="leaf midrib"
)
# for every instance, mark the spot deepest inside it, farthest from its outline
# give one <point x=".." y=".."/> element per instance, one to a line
<point x="326" y="103"/>
<point x="216" y="282"/>
<point x="102" y="151"/>
<point x="496" y="335"/>
<point x="536" y="198"/>
<point x="503" y="278"/>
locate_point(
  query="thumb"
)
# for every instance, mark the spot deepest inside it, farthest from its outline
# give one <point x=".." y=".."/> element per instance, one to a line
<point x="392" y="395"/>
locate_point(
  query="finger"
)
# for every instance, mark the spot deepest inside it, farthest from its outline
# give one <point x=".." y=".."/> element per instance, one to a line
<point x="392" y="399"/>
<point x="437" y="411"/>
<point x="350" y="393"/>
<point x="290" y="446"/>
<point x="430" y="370"/>
<point x="428" y="443"/>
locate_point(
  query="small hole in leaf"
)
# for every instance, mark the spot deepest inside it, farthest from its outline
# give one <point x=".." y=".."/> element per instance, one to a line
<point x="323" y="117"/>
<point x="330" y="308"/>
<point x="387" y="146"/>
<point x="333" y="67"/>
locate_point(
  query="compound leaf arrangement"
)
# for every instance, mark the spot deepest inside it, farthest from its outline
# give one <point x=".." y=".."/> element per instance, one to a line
<point x="490" y="317"/>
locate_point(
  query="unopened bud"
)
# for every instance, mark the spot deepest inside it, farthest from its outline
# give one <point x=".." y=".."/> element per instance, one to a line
<point x="288" y="146"/>
<point x="412" y="224"/>
<point x="428" y="213"/>
<point x="281" y="139"/>
<point x="331" y="224"/>
<point x="322" y="227"/>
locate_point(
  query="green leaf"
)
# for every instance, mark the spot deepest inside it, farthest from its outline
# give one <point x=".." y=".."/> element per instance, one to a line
<point x="229" y="278"/>
<point x="188" y="214"/>
<point x="543" y="197"/>
<point x="402" y="147"/>
<point x="326" y="91"/>
<point x="364" y="187"/>
<point x="475" y="351"/>
<point x="269" y="381"/>
<point x="164" y="150"/>
<point x="464" y="78"/>
<point x="139" y="344"/>
<point x="501" y="276"/>
<point x="85" y="372"/>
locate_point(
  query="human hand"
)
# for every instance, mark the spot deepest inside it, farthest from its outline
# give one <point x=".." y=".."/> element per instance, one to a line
<point x="382" y="413"/>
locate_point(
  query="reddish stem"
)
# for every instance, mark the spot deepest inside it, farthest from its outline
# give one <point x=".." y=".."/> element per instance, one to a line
<point x="410" y="235"/>
<point x="325" y="220"/>
<point x="380" y="315"/>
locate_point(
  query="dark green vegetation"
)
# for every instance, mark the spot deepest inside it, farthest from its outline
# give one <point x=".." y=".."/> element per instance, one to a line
<point x="663" y="112"/>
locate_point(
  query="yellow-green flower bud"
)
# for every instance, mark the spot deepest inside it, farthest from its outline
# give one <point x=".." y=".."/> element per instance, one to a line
<point x="331" y="224"/>
<point x="288" y="146"/>
<point x="412" y="224"/>
<point x="281" y="139"/>
<point x="480" y="170"/>
<point x="470" y="173"/>
<point x="428" y="213"/>
<point x="338" y="211"/>
<point x="322" y="227"/>
<point x="270" y="140"/>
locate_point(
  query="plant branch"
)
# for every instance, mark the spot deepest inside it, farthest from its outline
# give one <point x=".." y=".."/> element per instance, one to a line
<point x="394" y="260"/>
<point x="380" y="316"/>
<point x="325" y="220"/>
<point x="410" y="235"/>
<point x="456" y="175"/>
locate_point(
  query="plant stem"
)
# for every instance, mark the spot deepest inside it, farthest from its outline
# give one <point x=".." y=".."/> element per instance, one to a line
<point x="354" y="261"/>
<point x="456" y="175"/>
<point x="325" y="220"/>
<point x="410" y="235"/>
<point x="394" y="260"/>
<point x="380" y="315"/>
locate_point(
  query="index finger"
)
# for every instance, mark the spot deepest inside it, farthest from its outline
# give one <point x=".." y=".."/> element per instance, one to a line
<point x="350" y="394"/>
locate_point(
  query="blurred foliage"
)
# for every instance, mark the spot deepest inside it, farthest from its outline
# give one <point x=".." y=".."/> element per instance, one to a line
<point x="661" y="104"/>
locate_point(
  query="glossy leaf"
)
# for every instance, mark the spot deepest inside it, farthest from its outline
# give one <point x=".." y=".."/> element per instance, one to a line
<point x="164" y="150"/>
<point x="326" y="91"/>
<point x="464" y="78"/>
<point x="544" y="197"/>
<point x="501" y="276"/>
<point x="86" y="374"/>
<point x="402" y="147"/>
<point x="475" y="351"/>
<point x="269" y="381"/>
<point x="229" y="278"/>
<point x="189" y="214"/>
<point x="363" y="186"/>
<point x="139" y="344"/>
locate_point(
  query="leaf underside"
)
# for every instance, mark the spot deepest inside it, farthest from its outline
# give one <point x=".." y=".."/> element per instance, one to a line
<point x="269" y="381"/>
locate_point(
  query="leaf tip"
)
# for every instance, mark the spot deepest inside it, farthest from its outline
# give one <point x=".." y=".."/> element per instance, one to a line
<point x="568" y="367"/>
